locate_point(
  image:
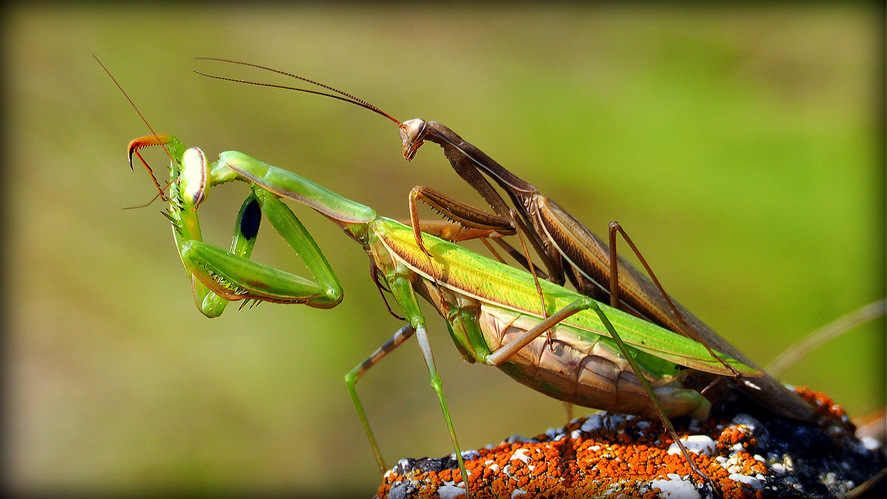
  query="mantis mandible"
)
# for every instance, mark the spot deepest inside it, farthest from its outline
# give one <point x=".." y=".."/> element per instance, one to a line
<point x="568" y="250"/>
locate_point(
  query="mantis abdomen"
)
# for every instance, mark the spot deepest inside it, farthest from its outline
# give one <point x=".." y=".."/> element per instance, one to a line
<point x="588" y="372"/>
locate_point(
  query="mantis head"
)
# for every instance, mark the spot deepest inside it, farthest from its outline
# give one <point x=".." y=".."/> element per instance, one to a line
<point x="413" y="134"/>
<point x="193" y="178"/>
<point x="189" y="169"/>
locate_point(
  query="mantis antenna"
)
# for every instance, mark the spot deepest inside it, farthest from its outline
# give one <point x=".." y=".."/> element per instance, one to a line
<point x="160" y="189"/>
<point x="337" y="94"/>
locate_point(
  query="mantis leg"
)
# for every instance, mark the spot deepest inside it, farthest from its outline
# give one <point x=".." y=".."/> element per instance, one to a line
<point x="246" y="227"/>
<point x="468" y="216"/>
<point x="220" y="276"/>
<point x="402" y="335"/>
<point x="452" y="209"/>
<point x="403" y="293"/>
<point x="403" y="290"/>
<point x="234" y="277"/>
<point x="645" y="297"/>
<point x="788" y="403"/>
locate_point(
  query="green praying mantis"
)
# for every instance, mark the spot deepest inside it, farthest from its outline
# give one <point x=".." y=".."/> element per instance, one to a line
<point x="598" y="356"/>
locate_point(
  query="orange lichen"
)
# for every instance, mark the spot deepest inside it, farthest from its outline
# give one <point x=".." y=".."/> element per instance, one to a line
<point x="603" y="460"/>
<point x="611" y="454"/>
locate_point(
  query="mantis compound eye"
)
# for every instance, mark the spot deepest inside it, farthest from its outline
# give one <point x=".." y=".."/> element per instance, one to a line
<point x="413" y="134"/>
<point x="193" y="184"/>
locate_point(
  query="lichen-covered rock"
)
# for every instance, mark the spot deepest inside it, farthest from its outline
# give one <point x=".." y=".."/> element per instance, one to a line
<point x="744" y="450"/>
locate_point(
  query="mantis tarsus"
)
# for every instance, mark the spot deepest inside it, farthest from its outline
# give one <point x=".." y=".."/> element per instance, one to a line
<point x="567" y="248"/>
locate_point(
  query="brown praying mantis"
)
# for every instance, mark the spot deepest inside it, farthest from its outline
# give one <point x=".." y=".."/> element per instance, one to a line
<point x="567" y="249"/>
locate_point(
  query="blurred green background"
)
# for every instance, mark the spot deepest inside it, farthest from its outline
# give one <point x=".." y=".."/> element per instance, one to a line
<point x="741" y="148"/>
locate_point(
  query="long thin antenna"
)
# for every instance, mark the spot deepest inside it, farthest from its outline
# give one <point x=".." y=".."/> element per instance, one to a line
<point x="337" y="94"/>
<point x="826" y="333"/>
<point x="131" y="103"/>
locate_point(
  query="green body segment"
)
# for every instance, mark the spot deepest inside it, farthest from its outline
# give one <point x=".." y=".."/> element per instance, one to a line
<point x="499" y="285"/>
<point x="578" y="362"/>
<point x="285" y="184"/>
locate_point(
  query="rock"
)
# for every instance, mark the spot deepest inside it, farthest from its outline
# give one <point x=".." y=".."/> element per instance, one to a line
<point x="746" y="451"/>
